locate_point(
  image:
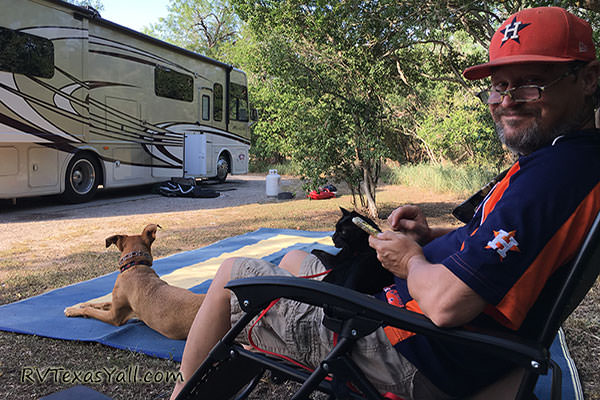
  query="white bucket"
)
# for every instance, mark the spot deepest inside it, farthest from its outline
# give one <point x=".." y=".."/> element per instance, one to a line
<point x="272" y="183"/>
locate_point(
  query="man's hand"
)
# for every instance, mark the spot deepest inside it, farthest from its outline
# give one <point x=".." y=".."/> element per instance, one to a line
<point x="411" y="221"/>
<point x="394" y="251"/>
<point x="441" y="295"/>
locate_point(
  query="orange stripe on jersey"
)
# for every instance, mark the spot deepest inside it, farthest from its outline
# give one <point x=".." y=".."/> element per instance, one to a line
<point x="462" y="246"/>
<point x="396" y="335"/>
<point x="413" y="306"/>
<point x="495" y="197"/>
<point x="498" y="192"/>
<point x="561" y="248"/>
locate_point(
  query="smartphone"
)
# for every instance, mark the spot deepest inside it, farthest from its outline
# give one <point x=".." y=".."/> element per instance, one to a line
<point x="362" y="224"/>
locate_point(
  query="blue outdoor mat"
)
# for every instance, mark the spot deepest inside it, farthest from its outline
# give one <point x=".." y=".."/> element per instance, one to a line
<point x="43" y="315"/>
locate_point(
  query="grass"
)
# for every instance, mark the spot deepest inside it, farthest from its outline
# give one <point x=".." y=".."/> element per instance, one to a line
<point x="463" y="179"/>
<point x="27" y="273"/>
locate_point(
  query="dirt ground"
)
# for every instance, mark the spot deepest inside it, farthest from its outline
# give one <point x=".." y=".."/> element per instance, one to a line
<point x="46" y="245"/>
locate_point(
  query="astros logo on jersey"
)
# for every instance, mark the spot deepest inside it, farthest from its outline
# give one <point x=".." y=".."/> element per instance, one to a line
<point x="503" y="242"/>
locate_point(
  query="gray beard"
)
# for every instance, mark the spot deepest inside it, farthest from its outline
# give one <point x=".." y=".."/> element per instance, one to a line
<point x="532" y="138"/>
<point x="527" y="142"/>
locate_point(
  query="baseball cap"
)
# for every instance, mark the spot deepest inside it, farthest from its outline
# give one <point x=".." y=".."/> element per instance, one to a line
<point x="543" y="34"/>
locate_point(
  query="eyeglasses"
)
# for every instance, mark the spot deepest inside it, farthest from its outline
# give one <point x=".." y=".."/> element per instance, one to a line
<point x="519" y="94"/>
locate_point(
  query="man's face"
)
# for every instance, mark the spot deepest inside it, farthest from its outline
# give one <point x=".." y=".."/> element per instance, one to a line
<point x="525" y="127"/>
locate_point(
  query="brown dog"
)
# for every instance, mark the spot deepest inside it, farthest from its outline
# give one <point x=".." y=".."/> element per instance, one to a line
<point x="140" y="293"/>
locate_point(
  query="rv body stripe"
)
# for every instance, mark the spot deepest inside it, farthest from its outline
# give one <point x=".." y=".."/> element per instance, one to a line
<point x="21" y="107"/>
<point x="103" y="42"/>
<point x="167" y="153"/>
<point x="71" y="77"/>
<point x="63" y="99"/>
<point x="56" y="32"/>
<point x="123" y="56"/>
<point x="56" y="141"/>
<point x="207" y="129"/>
<point x="29" y="100"/>
<point x="54" y="90"/>
<point x="152" y="62"/>
<point x="12" y="135"/>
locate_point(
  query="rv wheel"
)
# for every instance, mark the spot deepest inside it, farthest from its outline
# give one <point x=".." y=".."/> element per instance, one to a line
<point x="81" y="179"/>
<point x="222" y="168"/>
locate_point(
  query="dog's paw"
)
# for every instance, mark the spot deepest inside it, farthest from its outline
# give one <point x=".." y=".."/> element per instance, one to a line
<point x="74" y="311"/>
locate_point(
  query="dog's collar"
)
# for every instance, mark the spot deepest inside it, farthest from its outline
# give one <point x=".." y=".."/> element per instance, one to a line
<point x="129" y="256"/>
<point x="125" y="264"/>
<point x="125" y="267"/>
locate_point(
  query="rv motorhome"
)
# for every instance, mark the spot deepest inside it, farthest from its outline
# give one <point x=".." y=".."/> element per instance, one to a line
<point x="86" y="102"/>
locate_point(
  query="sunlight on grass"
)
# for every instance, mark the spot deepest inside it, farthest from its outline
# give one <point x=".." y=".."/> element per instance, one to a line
<point x="464" y="179"/>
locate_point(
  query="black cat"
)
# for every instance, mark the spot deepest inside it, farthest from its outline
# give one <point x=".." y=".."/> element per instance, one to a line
<point x="356" y="266"/>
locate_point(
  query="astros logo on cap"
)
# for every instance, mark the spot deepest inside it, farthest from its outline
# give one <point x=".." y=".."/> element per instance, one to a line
<point x="511" y="31"/>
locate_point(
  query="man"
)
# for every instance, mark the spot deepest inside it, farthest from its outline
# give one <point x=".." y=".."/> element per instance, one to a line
<point x="544" y="77"/>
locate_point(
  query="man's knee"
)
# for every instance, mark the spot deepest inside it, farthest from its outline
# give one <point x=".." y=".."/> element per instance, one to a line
<point x="292" y="261"/>
<point x="224" y="271"/>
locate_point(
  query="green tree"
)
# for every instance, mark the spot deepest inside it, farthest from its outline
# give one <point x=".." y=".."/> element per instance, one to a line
<point x="199" y="25"/>
<point x="333" y="60"/>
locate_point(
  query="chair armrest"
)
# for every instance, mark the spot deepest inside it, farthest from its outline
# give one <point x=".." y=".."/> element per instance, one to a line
<point x="256" y="293"/>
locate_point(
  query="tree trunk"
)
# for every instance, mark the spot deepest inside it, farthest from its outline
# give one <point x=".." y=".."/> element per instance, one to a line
<point x="368" y="188"/>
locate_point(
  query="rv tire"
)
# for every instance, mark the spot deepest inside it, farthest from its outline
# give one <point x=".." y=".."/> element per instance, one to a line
<point x="81" y="179"/>
<point x="222" y="168"/>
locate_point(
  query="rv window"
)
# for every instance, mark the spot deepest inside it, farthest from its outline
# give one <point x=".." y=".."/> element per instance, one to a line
<point x="172" y="84"/>
<point x="238" y="102"/>
<point x="218" y="97"/>
<point x="205" y="107"/>
<point x="26" y="54"/>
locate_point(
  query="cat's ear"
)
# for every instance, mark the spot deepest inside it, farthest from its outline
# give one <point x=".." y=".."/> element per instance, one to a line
<point x="344" y="211"/>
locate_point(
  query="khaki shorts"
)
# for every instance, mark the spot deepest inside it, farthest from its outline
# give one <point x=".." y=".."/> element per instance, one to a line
<point x="295" y="329"/>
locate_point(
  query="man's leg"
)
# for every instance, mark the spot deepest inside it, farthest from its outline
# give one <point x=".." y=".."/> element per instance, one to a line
<point x="292" y="261"/>
<point x="211" y="323"/>
<point x="214" y="316"/>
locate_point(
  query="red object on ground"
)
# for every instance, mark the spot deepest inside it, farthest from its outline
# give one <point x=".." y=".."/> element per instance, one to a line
<point x="320" y="194"/>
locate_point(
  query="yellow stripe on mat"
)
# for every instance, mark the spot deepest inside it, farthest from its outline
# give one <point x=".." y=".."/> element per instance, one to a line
<point x="192" y="275"/>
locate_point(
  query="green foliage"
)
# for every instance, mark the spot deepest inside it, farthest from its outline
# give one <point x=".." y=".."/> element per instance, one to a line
<point x="462" y="179"/>
<point x="325" y="67"/>
<point x="457" y="127"/>
<point x="199" y="25"/>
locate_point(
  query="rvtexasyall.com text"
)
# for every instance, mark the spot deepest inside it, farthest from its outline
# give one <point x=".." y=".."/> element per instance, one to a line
<point x="133" y="374"/>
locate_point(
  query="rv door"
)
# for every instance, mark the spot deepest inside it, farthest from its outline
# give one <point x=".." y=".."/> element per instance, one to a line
<point x="194" y="155"/>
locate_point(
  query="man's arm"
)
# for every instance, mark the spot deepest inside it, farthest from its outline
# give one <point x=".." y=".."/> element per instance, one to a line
<point x="442" y="297"/>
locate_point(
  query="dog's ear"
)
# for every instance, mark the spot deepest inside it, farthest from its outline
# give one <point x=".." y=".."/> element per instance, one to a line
<point x="149" y="233"/>
<point x="344" y="211"/>
<point x="117" y="240"/>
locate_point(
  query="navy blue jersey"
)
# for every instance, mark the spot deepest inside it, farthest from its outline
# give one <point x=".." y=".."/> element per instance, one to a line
<point x="530" y="225"/>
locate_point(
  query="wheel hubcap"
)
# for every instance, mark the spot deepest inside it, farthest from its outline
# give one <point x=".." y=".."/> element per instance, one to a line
<point x="222" y="168"/>
<point x="83" y="177"/>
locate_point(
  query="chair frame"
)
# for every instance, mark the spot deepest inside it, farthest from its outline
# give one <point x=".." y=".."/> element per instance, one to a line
<point x="353" y="315"/>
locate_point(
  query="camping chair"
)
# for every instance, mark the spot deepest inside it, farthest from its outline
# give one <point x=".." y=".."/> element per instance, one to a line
<point x="230" y="371"/>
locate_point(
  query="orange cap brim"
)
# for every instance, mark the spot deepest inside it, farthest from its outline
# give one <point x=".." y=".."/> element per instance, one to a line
<point x="484" y="70"/>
